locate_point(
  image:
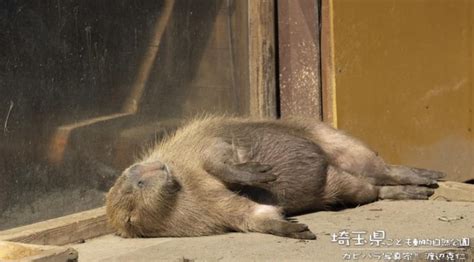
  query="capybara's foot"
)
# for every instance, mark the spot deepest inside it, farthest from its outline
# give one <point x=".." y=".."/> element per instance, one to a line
<point x="405" y="192"/>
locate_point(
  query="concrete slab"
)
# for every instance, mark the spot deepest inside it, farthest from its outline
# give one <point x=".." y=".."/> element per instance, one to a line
<point x="403" y="220"/>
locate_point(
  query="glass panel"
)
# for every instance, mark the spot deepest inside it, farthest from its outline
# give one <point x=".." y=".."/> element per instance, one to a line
<point x="86" y="84"/>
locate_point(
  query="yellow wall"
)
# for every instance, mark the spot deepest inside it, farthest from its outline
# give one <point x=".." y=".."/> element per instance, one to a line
<point x="403" y="79"/>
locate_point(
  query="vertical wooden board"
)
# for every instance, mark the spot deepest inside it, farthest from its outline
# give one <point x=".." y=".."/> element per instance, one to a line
<point x="329" y="110"/>
<point x="299" y="58"/>
<point x="471" y="58"/>
<point x="262" y="58"/>
<point x="240" y="53"/>
<point x="404" y="80"/>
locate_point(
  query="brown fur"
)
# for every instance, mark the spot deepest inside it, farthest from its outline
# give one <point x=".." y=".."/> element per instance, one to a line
<point x="220" y="174"/>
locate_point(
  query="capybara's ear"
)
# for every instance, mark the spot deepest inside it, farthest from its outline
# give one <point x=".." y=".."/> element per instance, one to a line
<point x="141" y="168"/>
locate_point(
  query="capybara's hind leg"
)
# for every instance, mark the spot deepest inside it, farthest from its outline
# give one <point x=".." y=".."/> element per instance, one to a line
<point x="347" y="153"/>
<point x="353" y="156"/>
<point x="344" y="189"/>
<point x="403" y="175"/>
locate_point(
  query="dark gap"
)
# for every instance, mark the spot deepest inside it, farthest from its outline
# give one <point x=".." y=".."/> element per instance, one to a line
<point x="469" y="181"/>
<point x="277" y="61"/>
<point x="320" y="60"/>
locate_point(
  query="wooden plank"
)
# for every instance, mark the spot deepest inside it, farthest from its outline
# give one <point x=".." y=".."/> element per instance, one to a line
<point x="240" y="54"/>
<point x="327" y="64"/>
<point x="299" y="58"/>
<point x="262" y="58"/>
<point x="63" y="230"/>
<point x="27" y="252"/>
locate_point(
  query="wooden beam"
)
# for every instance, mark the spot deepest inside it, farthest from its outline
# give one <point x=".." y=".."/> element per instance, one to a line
<point x="63" y="230"/>
<point x="299" y="58"/>
<point x="25" y="252"/>
<point x="262" y="58"/>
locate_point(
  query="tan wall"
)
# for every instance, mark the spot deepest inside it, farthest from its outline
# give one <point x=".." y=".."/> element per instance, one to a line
<point x="403" y="79"/>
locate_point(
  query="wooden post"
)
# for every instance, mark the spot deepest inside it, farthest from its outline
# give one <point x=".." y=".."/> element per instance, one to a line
<point x="262" y="58"/>
<point x="299" y="58"/>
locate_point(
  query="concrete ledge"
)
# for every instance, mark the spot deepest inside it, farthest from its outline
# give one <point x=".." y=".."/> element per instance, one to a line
<point x="454" y="191"/>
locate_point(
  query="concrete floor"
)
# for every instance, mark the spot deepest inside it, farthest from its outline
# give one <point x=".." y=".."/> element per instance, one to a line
<point x="398" y="219"/>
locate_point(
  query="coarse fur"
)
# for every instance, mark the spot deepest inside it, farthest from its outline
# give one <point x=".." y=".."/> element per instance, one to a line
<point x="220" y="174"/>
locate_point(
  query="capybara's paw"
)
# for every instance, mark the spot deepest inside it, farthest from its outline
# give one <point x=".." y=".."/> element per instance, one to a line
<point x="432" y="174"/>
<point x="404" y="175"/>
<point x="254" y="173"/>
<point x="288" y="229"/>
<point x="405" y="192"/>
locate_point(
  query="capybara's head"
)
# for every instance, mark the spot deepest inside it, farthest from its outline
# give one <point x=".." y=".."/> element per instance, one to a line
<point x="140" y="198"/>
